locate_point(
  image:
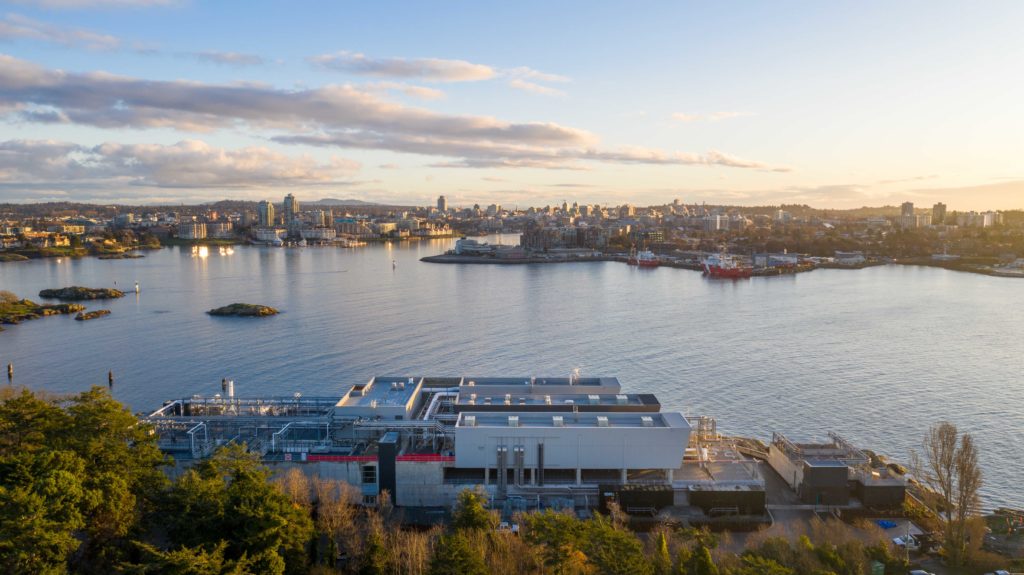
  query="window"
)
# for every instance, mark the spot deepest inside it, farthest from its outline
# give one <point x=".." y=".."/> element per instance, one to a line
<point x="369" y="474"/>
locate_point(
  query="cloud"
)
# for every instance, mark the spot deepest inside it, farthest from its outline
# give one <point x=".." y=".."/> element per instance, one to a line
<point x="187" y="164"/>
<point x="712" y="117"/>
<point x="438" y="70"/>
<point x="429" y="69"/>
<point x="340" y="116"/>
<point x="17" y="27"/>
<point x="528" y="86"/>
<point x="229" y="58"/>
<point x="421" y="92"/>
<point x="537" y="75"/>
<point x="527" y="79"/>
<point x="109" y="101"/>
<point x="388" y="166"/>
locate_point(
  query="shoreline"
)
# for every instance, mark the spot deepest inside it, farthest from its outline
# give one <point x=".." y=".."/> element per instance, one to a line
<point x="483" y="260"/>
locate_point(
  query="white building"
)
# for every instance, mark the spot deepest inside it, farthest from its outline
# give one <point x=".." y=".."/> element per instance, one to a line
<point x="191" y="231"/>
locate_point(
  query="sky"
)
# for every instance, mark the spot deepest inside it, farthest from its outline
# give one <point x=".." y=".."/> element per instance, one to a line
<point x="831" y="104"/>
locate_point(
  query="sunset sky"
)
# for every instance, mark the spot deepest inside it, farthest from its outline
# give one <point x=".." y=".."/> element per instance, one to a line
<point x="832" y="104"/>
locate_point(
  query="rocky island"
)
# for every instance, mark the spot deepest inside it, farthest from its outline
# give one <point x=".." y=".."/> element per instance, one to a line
<point x="78" y="293"/>
<point x="84" y="316"/>
<point x="243" y="310"/>
<point x="14" y="310"/>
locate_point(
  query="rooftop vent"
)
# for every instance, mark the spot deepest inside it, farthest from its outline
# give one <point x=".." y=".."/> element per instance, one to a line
<point x="394" y="385"/>
<point x="647" y="421"/>
<point x="557" y="421"/>
<point x="471" y="383"/>
<point x="469" y="421"/>
<point x="513" y="421"/>
<point x="602" y="421"/>
<point x="621" y="399"/>
<point x="594" y="399"/>
<point x="508" y="399"/>
<point x="522" y="401"/>
<point x="569" y="402"/>
<point x="547" y="400"/>
<point x="487" y="401"/>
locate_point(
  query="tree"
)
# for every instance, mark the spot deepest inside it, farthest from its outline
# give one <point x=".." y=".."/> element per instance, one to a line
<point x="754" y="565"/>
<point x="40" y="510"/>
<point x="701" y="563"/>
<point x="455" y="556"/>
<point x="662" y="560"/>
<point x="614" y="551"/>
<point x="950" y="469"/>
<point x="470" y="512"/>
<point x="228" y="497"/>
<point x="374" y="559"/>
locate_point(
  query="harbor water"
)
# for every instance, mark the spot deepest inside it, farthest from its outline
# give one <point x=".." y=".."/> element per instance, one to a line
<point x="876" y="355"/>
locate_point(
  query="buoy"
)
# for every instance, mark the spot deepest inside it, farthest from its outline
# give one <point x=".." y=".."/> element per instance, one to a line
<point x="110" y="378"/>
<point x="136" y="287"/>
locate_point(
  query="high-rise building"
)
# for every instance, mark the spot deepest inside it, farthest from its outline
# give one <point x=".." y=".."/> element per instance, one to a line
<point x="938" y="214"/>
<point x="442" y="204"/>
<point x="265" y="214"/>
<point x="291" y="210"/>
<point x="907" y="219"/>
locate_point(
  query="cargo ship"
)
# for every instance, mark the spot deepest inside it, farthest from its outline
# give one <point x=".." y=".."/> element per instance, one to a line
<point x="644" y="259"/>
<point x="723" y="265"/>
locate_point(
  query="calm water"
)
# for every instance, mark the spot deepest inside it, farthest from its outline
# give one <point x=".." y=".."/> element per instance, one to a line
<point x="876" y="355"/>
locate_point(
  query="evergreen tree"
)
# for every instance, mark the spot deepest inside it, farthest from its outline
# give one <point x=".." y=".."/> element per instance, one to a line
<point x="470" y="512"/>
<point x="701" y="563"/>
<point x="455" y="556"/>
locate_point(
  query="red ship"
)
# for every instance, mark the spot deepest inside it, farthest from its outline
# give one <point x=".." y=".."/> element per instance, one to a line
<point x="725" y="266"/>
<point x="644" y="259"/>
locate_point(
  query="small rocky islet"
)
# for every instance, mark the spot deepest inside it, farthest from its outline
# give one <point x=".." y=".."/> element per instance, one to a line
<point x="243" y="310"/>
<point x="87" y="315"/>
<point x="14" y="311"/>
<point x="79" y="293"/>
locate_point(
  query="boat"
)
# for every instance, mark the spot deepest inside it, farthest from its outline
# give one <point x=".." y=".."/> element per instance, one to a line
<point x="723" y="265"/>
<point x="644" y="259"/>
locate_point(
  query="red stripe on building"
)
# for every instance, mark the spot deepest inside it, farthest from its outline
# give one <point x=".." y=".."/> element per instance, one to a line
<point x="426" y="458"/>
<point x="341" y="458"/>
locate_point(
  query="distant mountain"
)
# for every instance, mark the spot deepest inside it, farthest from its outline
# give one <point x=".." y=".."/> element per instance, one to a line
<point x="337" y="202"/>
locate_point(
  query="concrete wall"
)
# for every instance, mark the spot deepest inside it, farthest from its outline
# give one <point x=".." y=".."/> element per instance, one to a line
<point x="575" y="447"/>
<point x="421" y="484"/>
<point x="791" y="473"/>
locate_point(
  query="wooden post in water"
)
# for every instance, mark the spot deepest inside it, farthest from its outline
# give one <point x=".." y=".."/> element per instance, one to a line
<point x="10" y="372"/>
<point x="110" y="378"/>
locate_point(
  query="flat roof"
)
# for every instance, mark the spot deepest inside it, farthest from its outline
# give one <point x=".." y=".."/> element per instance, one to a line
<point x="482" y="395"/>
<point x="539" y="381"/>
<point x="584" y="419"/>
<point x="381" y="391"/>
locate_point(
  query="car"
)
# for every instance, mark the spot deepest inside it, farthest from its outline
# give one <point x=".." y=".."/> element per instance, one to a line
<point x="907" y="542"/>
<point x="920" y="572"/>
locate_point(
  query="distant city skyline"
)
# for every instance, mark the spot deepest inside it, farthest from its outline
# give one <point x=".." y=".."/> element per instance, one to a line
<point x="836" y="106"/>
